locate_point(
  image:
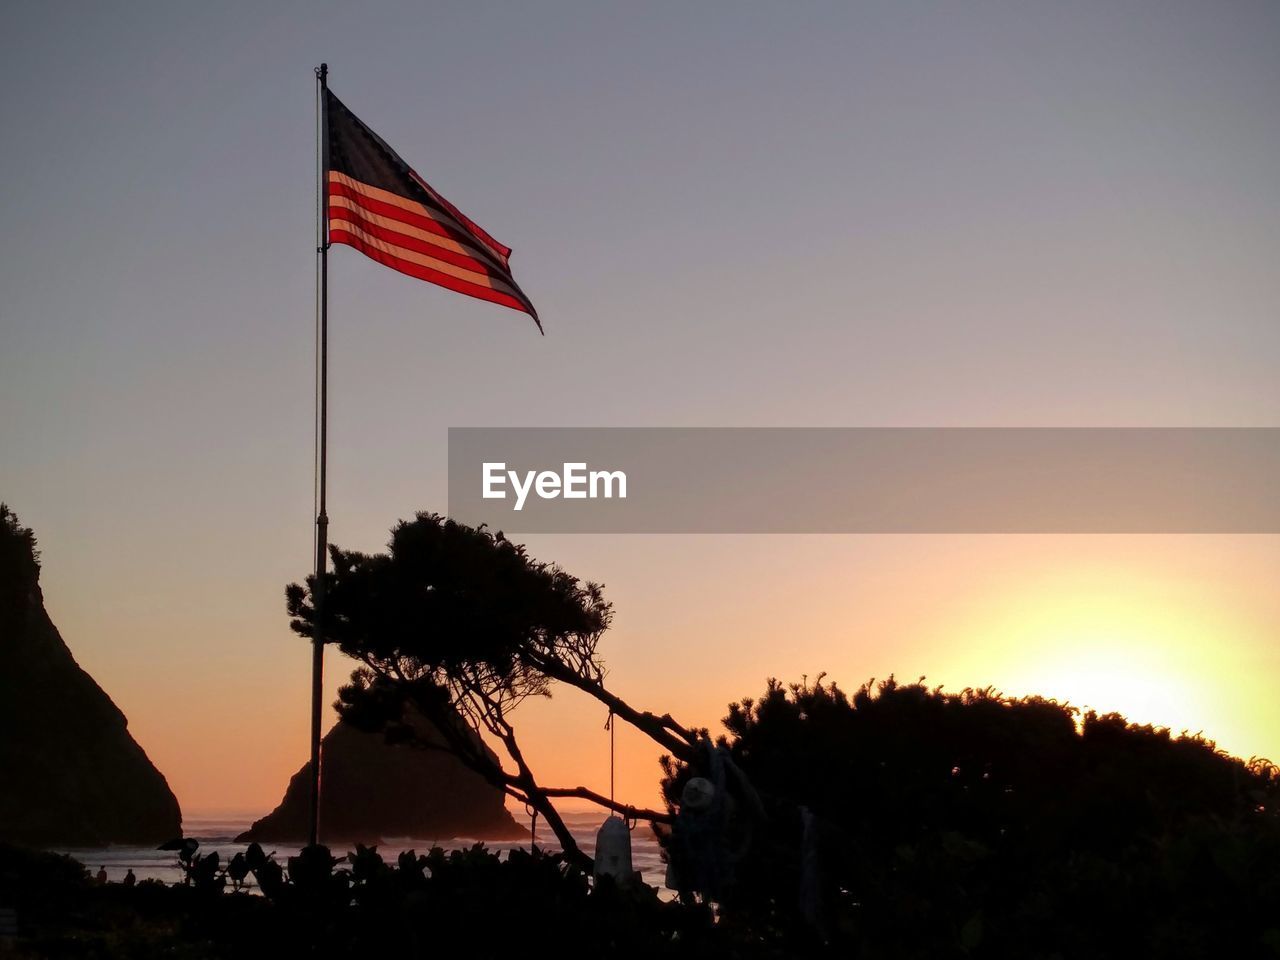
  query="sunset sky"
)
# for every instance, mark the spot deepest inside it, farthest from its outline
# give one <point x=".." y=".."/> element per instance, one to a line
<point x="874" y="214"/>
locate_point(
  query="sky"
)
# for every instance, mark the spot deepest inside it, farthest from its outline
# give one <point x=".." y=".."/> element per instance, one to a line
<point x="813" y="214"/>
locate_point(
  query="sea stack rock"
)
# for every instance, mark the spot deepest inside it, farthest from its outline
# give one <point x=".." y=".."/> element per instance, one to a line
<point x="70" y="773"/>
<point x="375" y="791"/>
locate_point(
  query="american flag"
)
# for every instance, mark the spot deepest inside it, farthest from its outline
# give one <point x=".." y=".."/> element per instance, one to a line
<point x="378" y="204"/>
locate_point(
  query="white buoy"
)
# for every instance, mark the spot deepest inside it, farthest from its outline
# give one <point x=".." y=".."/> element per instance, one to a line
<point x="613" y="851"/>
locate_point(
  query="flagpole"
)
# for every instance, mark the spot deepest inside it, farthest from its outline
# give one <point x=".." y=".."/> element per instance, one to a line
<point x="322" y="411"/>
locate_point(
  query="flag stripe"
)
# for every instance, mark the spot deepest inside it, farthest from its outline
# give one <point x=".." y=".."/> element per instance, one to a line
<point x="386" y="204"/>
<point x="423" y="272"/>
<point x="348" y="229"/>
<point x="500" y="250"/>
<point x="339" y="179"/>
<point x="402" y="235"/>
<point x="360" y="154"/>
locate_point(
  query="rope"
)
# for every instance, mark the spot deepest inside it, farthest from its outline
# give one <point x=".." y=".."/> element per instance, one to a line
<point x="533" y="827"/>
<point x="609" y="723"/>
<point x="629" y="819"/>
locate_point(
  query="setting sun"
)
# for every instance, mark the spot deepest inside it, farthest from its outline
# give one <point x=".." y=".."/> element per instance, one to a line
<point x="1112" y="639"/>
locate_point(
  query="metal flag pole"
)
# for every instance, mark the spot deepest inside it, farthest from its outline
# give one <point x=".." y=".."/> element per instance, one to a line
<point x="322" y="430"/>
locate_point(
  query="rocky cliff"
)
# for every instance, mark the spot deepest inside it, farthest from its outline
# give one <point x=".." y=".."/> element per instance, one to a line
<point x="375" y="791"/>
<point x="70" y="773"/>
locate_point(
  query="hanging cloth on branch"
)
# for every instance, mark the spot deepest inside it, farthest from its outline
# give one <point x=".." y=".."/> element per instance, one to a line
<point x="613" y="839"/>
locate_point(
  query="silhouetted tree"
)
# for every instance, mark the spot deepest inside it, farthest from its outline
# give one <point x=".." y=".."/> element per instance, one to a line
<point x="19" y="568"/>
<point x="949" y="821"/>
<point x="454" y="621"/>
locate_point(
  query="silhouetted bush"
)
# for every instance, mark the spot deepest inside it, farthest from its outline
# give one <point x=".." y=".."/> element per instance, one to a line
<point x="469" y="903"/>
<point x="957" y="823"/>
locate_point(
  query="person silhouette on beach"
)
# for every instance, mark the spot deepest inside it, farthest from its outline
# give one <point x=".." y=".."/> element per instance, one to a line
<point x="129" y="878"/>
<point x="102" y="875"/>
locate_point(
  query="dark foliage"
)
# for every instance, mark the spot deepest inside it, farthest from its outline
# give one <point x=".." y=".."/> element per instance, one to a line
<point x="949" y="825"/>
<point x="468" y="903"/>
<point x="449" y="599"/>
<point x="962" y="823"/>
<point x="19" y="568"/>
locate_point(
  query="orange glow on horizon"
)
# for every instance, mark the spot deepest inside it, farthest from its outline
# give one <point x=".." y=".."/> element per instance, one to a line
<point x="1177" y="632"/>
<point x="1118" y="640"/>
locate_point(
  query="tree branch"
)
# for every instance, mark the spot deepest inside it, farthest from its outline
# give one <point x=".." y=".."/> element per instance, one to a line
<point x="664" y="730"/>
<point x="632" y="813"/>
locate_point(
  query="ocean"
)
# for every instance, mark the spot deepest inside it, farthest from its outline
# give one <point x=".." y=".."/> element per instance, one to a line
<point x="218" y="832"/>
